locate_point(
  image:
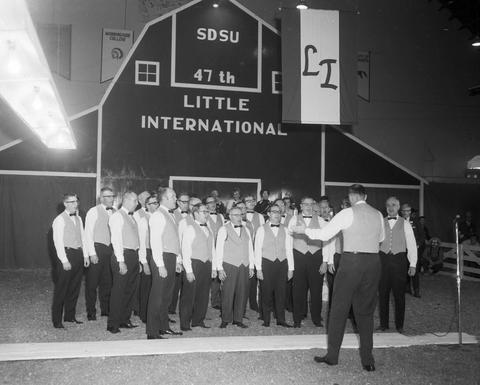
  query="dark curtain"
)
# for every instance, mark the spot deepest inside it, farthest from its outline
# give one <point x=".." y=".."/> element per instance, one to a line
<point x="443" y="201"/>
<point x="28" y="206"/>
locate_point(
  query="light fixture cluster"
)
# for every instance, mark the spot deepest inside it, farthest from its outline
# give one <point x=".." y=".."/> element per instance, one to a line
<point x="26" y="83"/>
<point x="301" y="5"/>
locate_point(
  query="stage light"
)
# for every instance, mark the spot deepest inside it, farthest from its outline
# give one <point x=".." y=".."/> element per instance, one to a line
<point x="476" y="42"/>
<point x="215" y="4"/>
<point x="26" y="83"/>
<point x="302" y="5"/>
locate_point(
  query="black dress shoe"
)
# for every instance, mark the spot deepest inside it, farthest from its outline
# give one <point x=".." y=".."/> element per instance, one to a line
<point x="104" y="314"/>
<point x="284" y="324"/>
<point x="172" y="321"/>
<point x="201" y="325"/>
<point x="113" y="329"/>
<point x="185" y="329"/>
<point x="223" y="325"/>
<point x="323" y="360"/>
<point x="400" y="330"/>
<point x="170" y="332"/>
<point x="382" y="328"/>
<point x="92" y="317"/>
<point x="266" y="324"/>
<point x="240" y="324"/>
<point x="127" y="325"/>
<point x="73" y="320"/>
<point x="296" y="325"/>
<point x="58" y="326"/>
<point x="217" y="307"/>
<point x="369" y="368"/>
<point x="417" y="295"/>
<point x="318" y="324"/>
<point x="157" y="337"/>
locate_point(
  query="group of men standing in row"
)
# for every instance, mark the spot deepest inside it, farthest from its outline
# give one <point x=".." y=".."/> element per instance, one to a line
<point x="187" y="248"/>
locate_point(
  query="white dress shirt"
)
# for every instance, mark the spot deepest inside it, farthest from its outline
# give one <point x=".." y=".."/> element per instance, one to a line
<point x="259" y="237"/>
<point x="187" y="241"/>
<point x="343" y="220"/>
<point x="250" y="217"/>
<point x="90" y="220"/>
<point x="410" y="238"/>
<point x="222" y="236"/>
<point x="116" y="229"/>
<point x="328" y="246"/>
<point x="157" y="225"/>
<point x="58" y="227"/>
<point x="142" y="236"/>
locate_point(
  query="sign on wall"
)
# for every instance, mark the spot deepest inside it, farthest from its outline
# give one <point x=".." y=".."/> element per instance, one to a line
<point x="115" y="46"/>
<point x="319" y="67"/>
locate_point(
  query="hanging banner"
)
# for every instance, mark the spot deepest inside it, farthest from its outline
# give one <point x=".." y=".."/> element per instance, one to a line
<point x="319" y="62"/>
<point x="363" y="72"/>
<point x="115" y="46"/>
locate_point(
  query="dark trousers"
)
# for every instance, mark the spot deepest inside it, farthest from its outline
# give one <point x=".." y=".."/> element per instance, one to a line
<point x="160" y="295"/>
<point x="123" y="289"/>
<point x="307" y="277"/>
<point x="289" y="296"/>
<point x="234" y="292"/>
<point x="273" y="289"/>
<point x="330" y="282"/>
<point x="67" y="287"/>
<point x="356" y="284"/>
<point x="194" y="295"/>
<point x="172" y="308"/>
<point x="252" y="292"/>
<point x="144" y="290"/>
<point x="215" y="293"/>
<point x="392" y="279"/>
<point x="99" y="275"/>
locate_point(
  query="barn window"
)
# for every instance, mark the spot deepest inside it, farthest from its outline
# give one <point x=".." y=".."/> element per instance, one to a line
<point x="147" y="73"/>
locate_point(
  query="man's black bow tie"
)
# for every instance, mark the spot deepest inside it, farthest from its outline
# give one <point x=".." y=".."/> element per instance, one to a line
<point x="272" y="225"/>
<point x="184" y="212"/>
<point x="130" y="213"/>
<point x="203" y="224"/>
<point x="307" y="216"/>
<point x="283" y="215"/>
<point x="73" y="215"/>
<point x="213" y="213"/>
<point x="108" y="208"/>
<point x="388" y="218"/>
<point x="251" y="212"/>
<point x="171" y="211"/>
<point x="236" y="226"/>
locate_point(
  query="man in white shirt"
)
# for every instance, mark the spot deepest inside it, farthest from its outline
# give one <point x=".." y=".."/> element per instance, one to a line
<point x="398" y="255"/>
<point x="311" y="261"/>
<point x="234" y="260"/>
<point x="99" y="245"/>
<point x="125" y="241"/>
<point x="356" y="282"/>
<point x="166" y="261"/>
<point x="215" y="221"/>
<point x="145" y="253"/>
<point x="69" y="241"/>
<point x="197" y="254"/>
<point x="274" y="264"/>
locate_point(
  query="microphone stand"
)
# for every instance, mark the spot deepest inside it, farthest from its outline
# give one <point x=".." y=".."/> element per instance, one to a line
<point x="459" y="281"/>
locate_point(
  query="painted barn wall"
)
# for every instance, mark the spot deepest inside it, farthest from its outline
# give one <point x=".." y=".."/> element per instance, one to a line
<point x="419" y="114"/>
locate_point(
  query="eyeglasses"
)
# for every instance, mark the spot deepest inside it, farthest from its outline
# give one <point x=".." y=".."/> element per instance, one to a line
<point x="183" y="201"/>
<point x="203" y="211"/>
<point x="71" y="201"/>
<point x="307" y="204"/>
<point x="209" y="202"/>
<point x="275" y="211"/>
<point x="249" y="200"/>
<point x="235" y="215"/>
<point x="108" y="196"/>
<point x="152" y="203"/>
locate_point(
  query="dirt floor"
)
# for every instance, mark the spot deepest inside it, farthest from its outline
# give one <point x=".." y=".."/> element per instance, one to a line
<point x="25" y="300"/>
